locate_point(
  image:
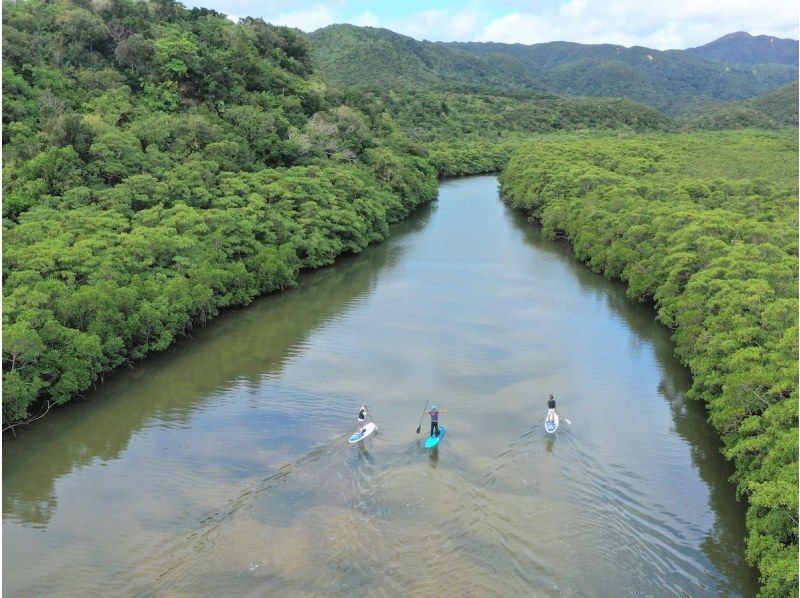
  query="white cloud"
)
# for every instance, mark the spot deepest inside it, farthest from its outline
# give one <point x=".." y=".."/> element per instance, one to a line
<point x="574" y="8"/>
<point x="657" y="24"/>
<point x="445" y="24"/>
<point x="368" y="19"/>
<point x="308" y="19"/>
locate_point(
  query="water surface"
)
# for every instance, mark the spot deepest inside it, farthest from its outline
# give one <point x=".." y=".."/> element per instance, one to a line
<point x="221" y="467"/>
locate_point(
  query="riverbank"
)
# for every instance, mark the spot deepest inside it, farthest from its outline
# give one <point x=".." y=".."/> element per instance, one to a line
<point x="151" y="276"/>
<point x="706" y="227"/>
<point x="150" y="181"/>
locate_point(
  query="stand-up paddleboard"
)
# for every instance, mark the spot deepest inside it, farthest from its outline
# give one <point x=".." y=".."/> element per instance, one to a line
<point x="551" y="426"/>
<point x="363" y="433"/>
<point x="433" y="441"/>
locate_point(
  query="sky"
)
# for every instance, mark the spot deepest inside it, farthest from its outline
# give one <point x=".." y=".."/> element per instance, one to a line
<point x="660" y="24"/>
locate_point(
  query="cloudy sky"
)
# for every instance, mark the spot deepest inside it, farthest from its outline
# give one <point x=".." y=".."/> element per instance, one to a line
<point x="660" y="24"/>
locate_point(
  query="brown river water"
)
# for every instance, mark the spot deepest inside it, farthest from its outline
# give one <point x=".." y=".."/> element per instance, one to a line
<point x="221" y="466"/>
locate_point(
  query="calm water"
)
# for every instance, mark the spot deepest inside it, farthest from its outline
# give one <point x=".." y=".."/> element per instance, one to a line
<point x="221" y="466"/>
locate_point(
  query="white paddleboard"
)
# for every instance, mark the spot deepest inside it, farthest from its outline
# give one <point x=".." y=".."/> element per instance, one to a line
<point x="363" y="433"/>
<point x="551" y="426"/>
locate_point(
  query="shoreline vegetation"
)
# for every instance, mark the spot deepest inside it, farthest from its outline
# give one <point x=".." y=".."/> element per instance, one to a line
<point x="163" y="164"/>
<point x="705" y="226"/>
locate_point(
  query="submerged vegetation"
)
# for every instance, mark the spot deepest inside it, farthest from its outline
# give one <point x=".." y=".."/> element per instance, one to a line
<point x="706" y="226"/>
<point x="162" y="164"/>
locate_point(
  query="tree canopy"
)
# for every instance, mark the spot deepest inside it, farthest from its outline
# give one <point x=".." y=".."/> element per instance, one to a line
<point x="162" y="164"/>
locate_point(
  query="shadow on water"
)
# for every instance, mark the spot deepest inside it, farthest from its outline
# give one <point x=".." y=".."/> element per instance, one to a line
<point x="238" y="347"/>
<point x="725" y="545"/>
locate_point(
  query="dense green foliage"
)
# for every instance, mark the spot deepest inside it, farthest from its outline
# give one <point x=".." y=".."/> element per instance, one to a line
<point x="671" y="80"/>
<point x="479" y="156"/>
<point x="470" y="133"/>
<point x="470" y="157"/>
<point x="162" y="164"/>
<point x="702" y="226"/>
<point x="779" y="105"/>
<point x="775" y="110"/>
<point x="743" y="48"/>
<point x="453" y="116"/>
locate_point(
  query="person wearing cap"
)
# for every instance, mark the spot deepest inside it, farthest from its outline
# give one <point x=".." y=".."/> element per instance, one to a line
<point x="434" y="413"/>
<point x="551" y="409"/>
<point x="362" y="416"/>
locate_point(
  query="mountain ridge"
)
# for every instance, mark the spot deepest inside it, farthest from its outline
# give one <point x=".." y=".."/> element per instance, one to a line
<point x="669" y="80"/>
<point x="743" y="48"/>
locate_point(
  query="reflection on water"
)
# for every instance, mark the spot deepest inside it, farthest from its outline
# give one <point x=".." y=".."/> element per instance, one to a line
<point x="222" y="465"/>
<point x="236" y="350"/>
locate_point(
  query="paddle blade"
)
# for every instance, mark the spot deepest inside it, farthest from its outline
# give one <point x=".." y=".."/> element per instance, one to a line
<point x="418" y="429"/>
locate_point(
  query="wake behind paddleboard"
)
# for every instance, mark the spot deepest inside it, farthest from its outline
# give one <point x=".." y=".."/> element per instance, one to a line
<point x="551" y="426"/>
<point x="363" y="433"/>
<point x="433" y="441"/>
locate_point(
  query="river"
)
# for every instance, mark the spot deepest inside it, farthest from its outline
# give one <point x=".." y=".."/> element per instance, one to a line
<point x="221" y="466"/>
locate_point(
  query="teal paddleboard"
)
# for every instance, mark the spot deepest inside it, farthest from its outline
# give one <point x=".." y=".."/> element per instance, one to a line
<point x="433" y="441"/>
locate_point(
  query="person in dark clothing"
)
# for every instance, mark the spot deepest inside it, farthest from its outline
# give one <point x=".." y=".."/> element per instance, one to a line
<point x="362" y="417"/>
<point x="551" y="409"/>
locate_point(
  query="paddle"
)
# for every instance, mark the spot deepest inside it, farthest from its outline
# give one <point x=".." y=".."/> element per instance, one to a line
<point x="564" y="418"/>
<point x="423" y="417"/>
<point x="368" y="413"/>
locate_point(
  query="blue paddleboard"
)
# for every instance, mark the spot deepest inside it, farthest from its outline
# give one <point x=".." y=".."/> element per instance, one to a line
<point x="552" y="426"/>
<point x="433" y="441"/>
<point x="363" y="433"/>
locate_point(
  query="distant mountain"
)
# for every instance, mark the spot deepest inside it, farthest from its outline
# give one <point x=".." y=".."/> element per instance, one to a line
<point x="743" y="48"/>
<point x="367" y="56"/>
<point x="669" y="80"/>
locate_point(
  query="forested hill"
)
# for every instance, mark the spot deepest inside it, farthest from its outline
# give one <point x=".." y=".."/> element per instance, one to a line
<point x="366" y="56"/>
<point x="667" y="80"/>
<point x="743" y="48"/>
<point x="161" y="164"/>
<point x="775" y="110"/>
<point x="455" y="117"/>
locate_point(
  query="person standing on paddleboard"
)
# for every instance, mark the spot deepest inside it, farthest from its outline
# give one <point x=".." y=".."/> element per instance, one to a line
<point x="362" y="417"/>
<point x="551" y="409"/>
<point x="434" y="413"/>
